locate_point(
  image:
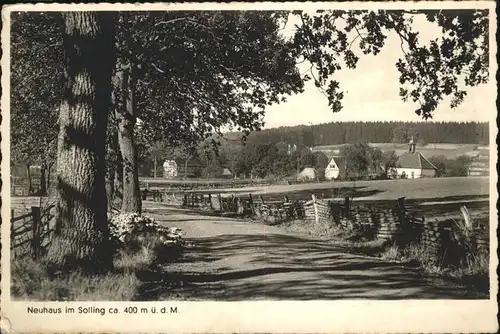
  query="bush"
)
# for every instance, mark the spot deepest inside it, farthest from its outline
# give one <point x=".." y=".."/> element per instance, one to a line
<point x="132" y="227"/>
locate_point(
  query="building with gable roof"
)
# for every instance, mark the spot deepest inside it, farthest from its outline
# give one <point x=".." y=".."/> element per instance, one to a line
<point x="335" y="168"/>
<point x="413" y="165"/>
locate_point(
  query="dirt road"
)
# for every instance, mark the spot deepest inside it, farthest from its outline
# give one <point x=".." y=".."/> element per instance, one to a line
<point x="231" y="259"/>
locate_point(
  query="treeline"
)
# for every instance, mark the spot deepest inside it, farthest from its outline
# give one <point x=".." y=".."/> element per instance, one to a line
<point x="377" y="132"/>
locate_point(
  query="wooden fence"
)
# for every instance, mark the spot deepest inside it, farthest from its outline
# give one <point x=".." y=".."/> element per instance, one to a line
<point x="394" y="224"/>
<point x="31" y="232"/>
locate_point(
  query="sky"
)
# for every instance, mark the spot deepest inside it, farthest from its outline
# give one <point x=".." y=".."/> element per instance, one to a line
<point x="371" y="93"/>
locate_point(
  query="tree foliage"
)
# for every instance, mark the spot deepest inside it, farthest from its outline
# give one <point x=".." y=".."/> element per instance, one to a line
<point x="429" y="72"/>
<point x="36" y="87"/>
<point x="458" y="166"/>
<point x="202" y="71"/>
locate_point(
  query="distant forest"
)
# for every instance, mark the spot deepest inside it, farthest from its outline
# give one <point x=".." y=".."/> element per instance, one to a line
<point x="376" y="132"/>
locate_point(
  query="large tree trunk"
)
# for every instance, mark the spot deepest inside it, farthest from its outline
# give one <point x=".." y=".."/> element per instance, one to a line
<point x="126" y="119"/>
<point x="81" y="237"/>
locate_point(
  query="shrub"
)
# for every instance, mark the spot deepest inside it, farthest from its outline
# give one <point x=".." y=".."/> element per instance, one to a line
<point x="391" y="253"/>
<point x="134" y="227"/>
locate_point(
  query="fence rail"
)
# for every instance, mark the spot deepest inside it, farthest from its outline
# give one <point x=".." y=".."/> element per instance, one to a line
<point x="31" y="232"/>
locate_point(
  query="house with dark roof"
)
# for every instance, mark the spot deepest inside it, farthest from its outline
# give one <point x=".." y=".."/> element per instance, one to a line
<point x="413" y="165"/>
<point x="226" y="173"/>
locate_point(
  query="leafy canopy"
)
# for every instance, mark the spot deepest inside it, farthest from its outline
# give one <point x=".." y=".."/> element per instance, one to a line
<point x="428" y="72"/>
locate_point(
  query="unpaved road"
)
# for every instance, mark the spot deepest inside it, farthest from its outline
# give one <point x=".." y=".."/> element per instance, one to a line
<point x="232" y="259"/>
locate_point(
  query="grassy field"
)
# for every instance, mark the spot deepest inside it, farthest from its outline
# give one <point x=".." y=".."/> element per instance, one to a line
<point x="429" y="150"/>
<point x="379" y="189"/>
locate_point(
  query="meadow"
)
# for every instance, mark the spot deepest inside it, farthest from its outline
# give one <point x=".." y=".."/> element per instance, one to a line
<point x="426" y="188"/>
<point x="429" y="150"/>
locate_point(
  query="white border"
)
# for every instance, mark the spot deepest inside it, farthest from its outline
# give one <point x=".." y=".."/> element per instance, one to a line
<point x="346" y="316"/>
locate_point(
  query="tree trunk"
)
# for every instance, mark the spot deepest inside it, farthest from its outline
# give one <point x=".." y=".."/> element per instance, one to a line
<point x="126" y="119"/>
<point x="118" y="181"/>
<point x="49" y="175"/>
<point x="81" y="237"/>
<point x="43" y="179"/>
<point x="185" y="168"/>
<point x="110" y="184"/>
<point x="30" y="182"/>
<point x="112" y="161"/>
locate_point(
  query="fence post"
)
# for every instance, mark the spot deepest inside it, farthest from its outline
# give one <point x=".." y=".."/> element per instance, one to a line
<point x="316" y="216"/>
<point x="35" y="242"/>
<point x="401" y="210"/>
<point x="347" y="209"/>
<point x="210" y="201"/>
<point x="221" y="205"/>
<point x="250" y="202"/>
<point x="401" y="203"/>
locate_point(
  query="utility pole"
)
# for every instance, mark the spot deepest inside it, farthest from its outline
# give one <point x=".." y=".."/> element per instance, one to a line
<point x="298" y="158"/>
<point x="154" y="173"/>
<point x="345" y="167"/>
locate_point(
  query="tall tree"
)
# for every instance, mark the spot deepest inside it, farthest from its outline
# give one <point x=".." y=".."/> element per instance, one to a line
<point x="201" y="71"/>
<point x="81" y="232"/>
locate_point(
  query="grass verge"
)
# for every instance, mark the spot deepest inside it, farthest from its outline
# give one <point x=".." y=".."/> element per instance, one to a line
<point x="30" y="279"/>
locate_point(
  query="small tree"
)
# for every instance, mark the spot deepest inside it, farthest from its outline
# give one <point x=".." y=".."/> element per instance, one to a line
<point x="389" y="161"/>
<point x="358" y="159"/>
<point x="441" y="164"/>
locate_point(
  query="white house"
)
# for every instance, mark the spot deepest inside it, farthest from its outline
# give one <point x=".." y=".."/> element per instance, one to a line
<point x="413" y="165"/>
<point x="169" y="169"/>
<point x="335" y="168"/>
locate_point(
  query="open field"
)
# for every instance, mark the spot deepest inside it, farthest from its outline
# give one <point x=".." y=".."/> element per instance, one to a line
<point x="429" y="150"/>
<point x="378" y="189"/>
<point x="439" y="195"/>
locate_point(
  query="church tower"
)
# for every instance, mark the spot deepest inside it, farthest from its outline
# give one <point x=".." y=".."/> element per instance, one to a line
<point x="411" y="145"/>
